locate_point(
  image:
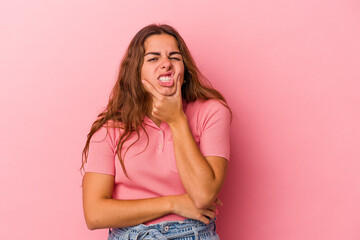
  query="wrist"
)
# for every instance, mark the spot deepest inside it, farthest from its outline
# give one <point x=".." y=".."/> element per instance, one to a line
<point x="178" y="121"/>
<point x="171" y="206"/>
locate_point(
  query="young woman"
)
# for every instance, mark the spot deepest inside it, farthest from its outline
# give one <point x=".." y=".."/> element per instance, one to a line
<point x="157" y="156"/>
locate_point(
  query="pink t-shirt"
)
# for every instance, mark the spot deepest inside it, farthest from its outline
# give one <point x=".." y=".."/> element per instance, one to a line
<point x="152" y="169"/>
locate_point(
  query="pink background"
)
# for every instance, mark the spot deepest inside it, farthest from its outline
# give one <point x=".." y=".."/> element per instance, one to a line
<point x="290" y="71"/>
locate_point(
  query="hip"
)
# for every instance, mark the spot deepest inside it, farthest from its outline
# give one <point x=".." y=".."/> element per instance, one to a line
<point x="188" y="229"/>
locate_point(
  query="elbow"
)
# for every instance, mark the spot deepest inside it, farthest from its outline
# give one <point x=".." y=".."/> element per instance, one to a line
<point x="202" y="204"/>
<point x="90" y="224"/>
<point x="203" y="201"/>
<point x="92" y="221"/>
<point x="94" y="215"/>
<point x="90" y="227"/>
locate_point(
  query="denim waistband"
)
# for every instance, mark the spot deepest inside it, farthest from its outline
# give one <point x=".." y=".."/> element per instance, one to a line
<point x="185" y="229"/>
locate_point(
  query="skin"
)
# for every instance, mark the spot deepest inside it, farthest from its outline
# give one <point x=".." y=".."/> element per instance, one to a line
<point x="200" y="201"/>
<point x="162" y="55"/>
<point x="207" y="172"/>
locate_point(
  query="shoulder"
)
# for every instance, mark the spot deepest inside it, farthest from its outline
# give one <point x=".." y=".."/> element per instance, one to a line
<point x="207" y="107"/>
<point x="203" y="114"/>
<point x="109" y="132"/>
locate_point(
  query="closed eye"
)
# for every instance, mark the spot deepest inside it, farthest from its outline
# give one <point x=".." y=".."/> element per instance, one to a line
<point x="175" y="58"/>
<point x="152" y="59"/>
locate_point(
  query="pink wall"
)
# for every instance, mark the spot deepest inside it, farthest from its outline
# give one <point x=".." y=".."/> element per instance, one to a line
<point x="289" y="69"/>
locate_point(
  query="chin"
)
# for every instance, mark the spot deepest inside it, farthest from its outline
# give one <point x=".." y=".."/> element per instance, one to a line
<point x="167" y="91"/>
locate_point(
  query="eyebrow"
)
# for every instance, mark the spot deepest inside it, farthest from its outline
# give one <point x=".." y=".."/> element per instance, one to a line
<point x="158" y="54"/>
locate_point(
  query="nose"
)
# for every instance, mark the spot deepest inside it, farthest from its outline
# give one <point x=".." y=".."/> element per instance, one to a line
<point x="166" y="63"/>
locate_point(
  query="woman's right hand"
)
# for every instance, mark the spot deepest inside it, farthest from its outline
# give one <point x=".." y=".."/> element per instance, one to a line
<point x="184" y="206"/>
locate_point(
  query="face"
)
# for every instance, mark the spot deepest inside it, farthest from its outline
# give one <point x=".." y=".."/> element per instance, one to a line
<point x="163" y="63"/>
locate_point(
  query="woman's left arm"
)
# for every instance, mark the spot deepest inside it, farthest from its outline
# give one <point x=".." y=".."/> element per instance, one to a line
<point x="201" y="176"/>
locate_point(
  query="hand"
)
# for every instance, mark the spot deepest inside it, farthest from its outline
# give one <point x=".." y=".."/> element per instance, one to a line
<point x="166" y="108"/>
<point x="184" y="206"/>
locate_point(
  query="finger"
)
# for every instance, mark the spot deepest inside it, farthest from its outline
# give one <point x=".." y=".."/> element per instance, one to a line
<point x="209" y="214"/>
<point x="150" y="88"/>
<point x="204" y="220"/>
<point x="212" y="208"/>
<point x="178" y="87"/>
<point x="154" y="110"/>
<point x="218" y="202"/>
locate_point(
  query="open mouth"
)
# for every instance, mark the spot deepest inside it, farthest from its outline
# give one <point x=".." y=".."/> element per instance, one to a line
<point x="166" y="79"/>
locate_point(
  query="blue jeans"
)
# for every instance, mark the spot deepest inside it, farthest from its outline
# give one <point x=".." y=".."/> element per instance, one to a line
<point x="187" y="229"/>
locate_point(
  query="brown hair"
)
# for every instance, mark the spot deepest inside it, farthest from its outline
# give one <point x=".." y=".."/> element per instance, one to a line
<point x="128" y="100"/>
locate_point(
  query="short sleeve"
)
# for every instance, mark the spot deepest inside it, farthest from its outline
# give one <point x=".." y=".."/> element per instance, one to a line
<point x="101" y="156"/>
<point x="215" y="130"/>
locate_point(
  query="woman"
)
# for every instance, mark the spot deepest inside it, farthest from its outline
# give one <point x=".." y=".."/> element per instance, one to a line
<point x="156" y="157"/>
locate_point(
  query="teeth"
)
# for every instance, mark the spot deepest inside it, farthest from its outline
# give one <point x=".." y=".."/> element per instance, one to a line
<point x="165" y="79"/>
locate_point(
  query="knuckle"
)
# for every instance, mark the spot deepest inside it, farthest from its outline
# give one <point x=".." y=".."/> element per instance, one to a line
<point x="206" y="221"/>
<point x="211" y="214"/>
<point x="198" y="216"/>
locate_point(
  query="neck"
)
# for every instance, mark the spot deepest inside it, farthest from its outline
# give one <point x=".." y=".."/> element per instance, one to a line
<point x="154" y="119"/>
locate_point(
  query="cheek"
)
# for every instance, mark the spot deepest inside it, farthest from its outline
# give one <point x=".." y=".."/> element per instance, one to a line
<point x="181" y="67"/>
<point x="146" y="72"/>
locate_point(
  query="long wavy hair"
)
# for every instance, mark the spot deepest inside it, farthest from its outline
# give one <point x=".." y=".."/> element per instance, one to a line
<point x="128" y="101"/>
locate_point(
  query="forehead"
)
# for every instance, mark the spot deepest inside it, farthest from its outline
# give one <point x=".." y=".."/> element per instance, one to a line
<point x="160" y="42"/>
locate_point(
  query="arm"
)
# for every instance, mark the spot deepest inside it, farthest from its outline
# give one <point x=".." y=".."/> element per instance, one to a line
<point x="201" y="176"/>
<point x="101" y="211"/>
